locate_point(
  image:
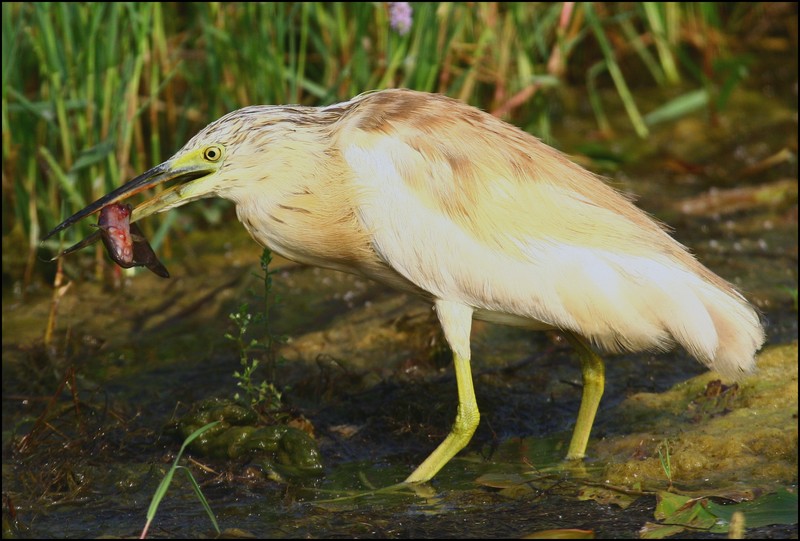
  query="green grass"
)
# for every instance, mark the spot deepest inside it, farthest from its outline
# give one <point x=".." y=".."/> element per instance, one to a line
<point x="94" y="93"/>
<point x="666" y="462"/>
<point x="163" y="487"/>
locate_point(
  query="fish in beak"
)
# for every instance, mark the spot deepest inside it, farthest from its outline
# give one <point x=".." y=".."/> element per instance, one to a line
<point x="119" y="232"/>
<point x="124" y="241"/>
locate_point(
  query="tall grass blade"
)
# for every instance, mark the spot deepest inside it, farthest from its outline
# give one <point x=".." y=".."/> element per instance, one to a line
<point x="161" y="491"/>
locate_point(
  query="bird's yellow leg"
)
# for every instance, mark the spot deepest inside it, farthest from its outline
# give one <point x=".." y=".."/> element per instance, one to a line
<point x="456" y="320"/>
<point x="594" y="381"/>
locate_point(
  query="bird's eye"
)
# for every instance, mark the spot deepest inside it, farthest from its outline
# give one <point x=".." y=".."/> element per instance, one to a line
<point x="212" y="153"/>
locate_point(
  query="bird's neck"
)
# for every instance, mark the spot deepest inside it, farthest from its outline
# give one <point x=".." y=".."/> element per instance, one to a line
<point x="305" y="213"/>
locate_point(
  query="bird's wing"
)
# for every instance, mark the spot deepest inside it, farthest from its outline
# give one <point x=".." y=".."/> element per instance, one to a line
<point x="500" y="185"/>
<point x="473" y="210"/>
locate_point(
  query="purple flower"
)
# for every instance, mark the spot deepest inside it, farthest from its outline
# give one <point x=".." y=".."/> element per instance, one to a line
<point x="400" y="16"/>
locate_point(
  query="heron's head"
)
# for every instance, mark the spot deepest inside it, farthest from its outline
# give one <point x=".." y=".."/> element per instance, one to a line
<point x="225" y="155"/>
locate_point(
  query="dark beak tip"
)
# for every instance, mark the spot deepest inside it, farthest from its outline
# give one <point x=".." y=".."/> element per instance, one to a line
<point x="128" y="189"/>
<point x="51" y="233"/>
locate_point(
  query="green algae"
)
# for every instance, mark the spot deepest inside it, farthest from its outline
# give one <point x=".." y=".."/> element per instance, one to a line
<point x="746" y="437"/>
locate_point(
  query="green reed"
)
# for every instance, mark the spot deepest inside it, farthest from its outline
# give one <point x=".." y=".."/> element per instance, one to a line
<point x="94" y="93"/>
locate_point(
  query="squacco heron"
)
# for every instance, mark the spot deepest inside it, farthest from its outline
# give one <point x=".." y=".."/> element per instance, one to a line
<point x="434" y="197"/>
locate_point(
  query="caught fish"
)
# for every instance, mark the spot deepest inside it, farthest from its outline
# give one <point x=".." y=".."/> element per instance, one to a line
<point x="115" y="227"/>
<point x="124" y="241"/>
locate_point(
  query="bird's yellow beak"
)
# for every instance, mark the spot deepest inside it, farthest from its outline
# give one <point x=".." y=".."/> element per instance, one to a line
<point x="194" y="179"/>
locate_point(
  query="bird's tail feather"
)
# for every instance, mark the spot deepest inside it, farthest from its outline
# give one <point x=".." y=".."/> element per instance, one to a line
<point x="634" y="303"/>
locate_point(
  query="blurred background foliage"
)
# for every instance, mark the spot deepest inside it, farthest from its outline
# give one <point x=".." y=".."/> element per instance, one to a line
<point x="95" y="93"/>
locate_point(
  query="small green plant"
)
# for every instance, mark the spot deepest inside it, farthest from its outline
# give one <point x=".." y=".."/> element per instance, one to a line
<point x="272" y="340"/>
<point x="161" y="491"/>
<point x="666" y="465"/>
<point x="264" y="394"/>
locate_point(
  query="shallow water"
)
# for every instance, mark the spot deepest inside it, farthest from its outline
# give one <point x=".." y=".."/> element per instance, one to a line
<point x="366" y="367"/>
